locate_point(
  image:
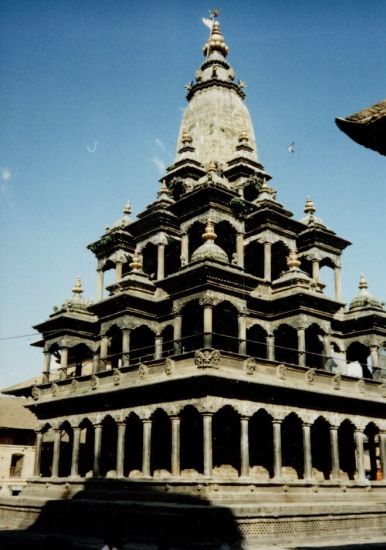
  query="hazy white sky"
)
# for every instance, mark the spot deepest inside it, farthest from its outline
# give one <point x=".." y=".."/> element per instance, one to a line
<point x="91" y="97"/>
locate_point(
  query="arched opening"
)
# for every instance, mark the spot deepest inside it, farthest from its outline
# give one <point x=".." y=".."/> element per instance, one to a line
<point x="161" y="444"/>
<point x="279" y="253"/>
<point x="321" y="449"/>
<point x="261" y="445"/>
<point x="225" y="327"/>
<point x="79" y="360"/>
<point x="292" y="447"/>
<point x="251" y="191"/>
<point x="172" y="257"/>
<point x="177" y="188"/>
<point x="306" y="265"/>
<point x="86" y="448"/>
<point x="191" y="433"/>
<point x="167" y="341"/>
<point x="192" y="326"/>
<point x="326" y="276"/>
<point x="114" y="354"/>
<point x="149" y="260"/>
<point x="372" y="453"/>
<point x="47" y="452"/>
<point x="133" y="446"/>
<point x="195" y="233"/>
<point x="347" y="450"/>
<point x="286" y="345"/>
<point x="314" y="347"/>
<point x="257" y="342"/>
<point x="108" y="458"/>
<point x="359" y="352"/>
<point x="142" y="344"/>
<point x="254" y="259"/>
<point x="226" y="443"/>
<point x="65" y="453"/>
<point x="226" y="238"/>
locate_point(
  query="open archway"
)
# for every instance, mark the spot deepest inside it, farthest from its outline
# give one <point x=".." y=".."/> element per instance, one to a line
<point x="292" y="447"/>
<point x="161" y="443"/>
<point x="257" y="342"/>
<point x="286" y="345"/>
<point x="261" y="455"/>
<point x="191" y="430"/>
<point x="225" y="327"/>
<point x="192" y="326"/>
<point x="226" y="442"/>
<point x="321" y="449"/>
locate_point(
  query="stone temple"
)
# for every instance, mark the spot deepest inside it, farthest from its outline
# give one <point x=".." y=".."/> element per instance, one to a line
<point x="215" y="392"/>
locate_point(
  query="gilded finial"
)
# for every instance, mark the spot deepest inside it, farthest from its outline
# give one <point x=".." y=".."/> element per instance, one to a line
<point x="216" y="42"/>
<point x="309" y="207"/>
<point x="243" y="136"/>
<point x="136" y="262"/>
<point x="163" y="189"/>
<point x="209" y="234"/>
<point x="127" y="209"/>
<point x="77" y="290"/>
<point x="212" y="166"/>
<point x="363" y="282"/>
<point x="186" y="138"/>
<point x="292" y="261"/>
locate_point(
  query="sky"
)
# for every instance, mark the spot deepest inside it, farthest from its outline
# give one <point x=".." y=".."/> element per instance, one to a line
<point x="91" y="98"/>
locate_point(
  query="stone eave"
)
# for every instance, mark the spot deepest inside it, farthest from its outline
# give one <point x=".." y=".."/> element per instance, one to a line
<point x="214" y="82"/>
<point x="112" y="241"/>
<point x="301" y="301"/>
<point x="186" y="167"/>
<point x="366" y="321"/>
<point x="322" y="237"/>
<point x="154" y="221"/>
<point x="277" y="220"/>
<point x="201" y="199"/>
<point x="68" y="323"/>
<point x="123" y="304"/>
<point x="243" y="166"/>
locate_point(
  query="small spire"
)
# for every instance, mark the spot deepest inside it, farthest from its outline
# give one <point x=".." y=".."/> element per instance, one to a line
<point x="77" y="290"/>
<point x="163" y="189"/>
<point x="216" y="42"/>
<point x="127" y="210"/>
<point x="136" y="261"/>
<point x="209" y="234"/>
<point x="363" y="282"/>
<point x="309" y="207"/>
<point x="292" y="261"/>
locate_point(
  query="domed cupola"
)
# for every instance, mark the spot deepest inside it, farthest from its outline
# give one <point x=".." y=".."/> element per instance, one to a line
<point x="364" y="299"/>
<point x="209" y="250"/>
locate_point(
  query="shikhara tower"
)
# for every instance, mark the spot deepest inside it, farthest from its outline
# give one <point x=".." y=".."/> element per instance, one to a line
<point x="216" y="367"/>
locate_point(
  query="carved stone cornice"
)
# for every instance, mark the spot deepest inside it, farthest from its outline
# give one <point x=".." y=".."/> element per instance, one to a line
<point x="216" y="217"/>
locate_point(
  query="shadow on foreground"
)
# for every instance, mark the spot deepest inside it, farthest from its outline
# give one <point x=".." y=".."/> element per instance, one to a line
<point x="128" y="515"/>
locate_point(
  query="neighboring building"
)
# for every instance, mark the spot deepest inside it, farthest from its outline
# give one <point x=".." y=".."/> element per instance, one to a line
<point x="17" y="445"/>
<point x="216" y="370"/>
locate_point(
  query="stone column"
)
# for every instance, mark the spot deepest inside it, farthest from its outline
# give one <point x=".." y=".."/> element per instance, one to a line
<point x="38" y="452"/>
<point x="208" y="451"/>
<point x="146" y="448"/>
<point x="338" y="283"/>
<point x="271" y="347"/>
<point x="315" y="269"/>
<point x="56" y="454"/>
<point x="158" y="347"/>
<point x="327" y="346"/>
<point x="177" y="333"/>
<point x="160" y="261"/>
<point x="302" y="347"/>
<point x="120" y="448"/>
<point x="100" y="286"/>
<point x="277" y="461"/>
<point x="97" y="449"/>
<point x="382" y="451"/>
<point x="360" y="459"/>
<point x="95" y="363"/>
<point x="208" y="310"/>
<point x="307" y="451"/>
<point x="118" y="271"/>
<point x="335" y="466"/>
<point x="125" y="347"/>
<point x="75" y="452"/>
<point x="268" y="261"/>
<point x="63" y="361"/>
<point x="103" y="352"/>
<point x="184" y="249"/>
<point x="244" y="446"/>
<point x="176" y="446"/>
<point x="240" y="249"/>
<point x="242" y="334"/>
<point x="47" y="367"/>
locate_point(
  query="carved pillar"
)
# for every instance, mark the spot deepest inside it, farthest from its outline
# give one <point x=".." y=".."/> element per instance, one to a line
<point x="158" y="347"/>
<point x="120" y="448"/>
<point x="208" y="310"/>
<point x="118" y="271"/>
<point x="307" y="451"/>
<point x="338" y="283"/>
<point x="177" y="333"/>
<point x="360" y="459"/>
<point x="244" y="446"/>
<point x="146" y="447"/>
<point x="277" y="461"/>
<point x="176" y="445"/>
<point x="38" y="452"/>
<point x="240" y="249"/>
<point x="271" y="347"/>
<point x="103" y="352"/>
<point x="160" y="261"/>
<point x="374" y="355"/>
<point x="208" y="451"/>
<point x="382" y="451"/>
<point x="56" y="454"/>
<point x="75" y="452"/>
<point x="335" y="466"/>
<point x="95" y="363"/>
<point x="267" y="261"/>
<point x="125" y="347"/>
<point x="97" y="449"/>
<point x="100" y="286"/>
<point x="327" y="345"/>
<point x="46" y="367"/>
<point x="64" y="360"/>
<point x="242" y="334"/>
<point x="184" y="249"/>
<point x="315" y="269"/>
<point x="302" y="347"/>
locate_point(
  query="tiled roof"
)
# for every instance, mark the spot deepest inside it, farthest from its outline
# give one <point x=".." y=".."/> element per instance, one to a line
<point x="13" y="414"/>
